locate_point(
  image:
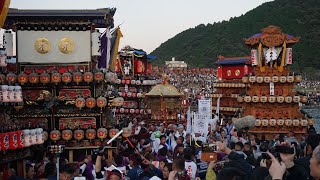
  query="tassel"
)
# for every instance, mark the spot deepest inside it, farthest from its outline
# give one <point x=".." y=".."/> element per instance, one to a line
<point x="284" y="47"/>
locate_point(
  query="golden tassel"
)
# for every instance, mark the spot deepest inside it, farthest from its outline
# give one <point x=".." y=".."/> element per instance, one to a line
<point x="261" y="66"/>
<point x="284" y="47"/>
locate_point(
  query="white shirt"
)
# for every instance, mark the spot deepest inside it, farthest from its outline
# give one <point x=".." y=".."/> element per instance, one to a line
<point x="191" y="169"/>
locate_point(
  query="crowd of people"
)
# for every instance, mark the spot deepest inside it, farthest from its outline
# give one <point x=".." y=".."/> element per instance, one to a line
<point x="160" y="151"/>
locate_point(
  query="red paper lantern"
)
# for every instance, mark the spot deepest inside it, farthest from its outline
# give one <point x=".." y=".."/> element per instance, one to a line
<point x="2" y="78"/>
<point x="44" y="78"/>
<point x="113" y="132"/>
<point x="66" y="77"/>
<point x="101" y="102"/>
<point x="56" y="78"/>
<point x="123" y="81"/>
<point x="13" y="140"/>
<point x="137" y="111"/>
<point x="90" y="134"/>
<point x="128" y="81"/>
<point x="98" y="76"/>
<point x="88" y="77"/>
<point x="4" y="141"/>
<point x="55" y="135"/>
<point x="102" y="133"/>
<point x="91" y="102"/>
<point x="66" y="135"/>
<point x="78" y="134"/>
<point x="134" y="95"/>
<point x="23" y="78"/>
<point x="80" y="102"/>
<point x="33" y="78"/>
<point x="11" y="78"/>
<point x="77" y="77"/>
<point x="20" y="139"/>
<point x="124" y="94"/>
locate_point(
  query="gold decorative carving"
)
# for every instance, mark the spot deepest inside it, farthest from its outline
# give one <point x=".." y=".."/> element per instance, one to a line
<point x="66" y="45"/>
<point x="42" y="45"/>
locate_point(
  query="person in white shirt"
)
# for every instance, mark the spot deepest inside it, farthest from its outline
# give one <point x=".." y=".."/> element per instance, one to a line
<point x="189" y="165"/>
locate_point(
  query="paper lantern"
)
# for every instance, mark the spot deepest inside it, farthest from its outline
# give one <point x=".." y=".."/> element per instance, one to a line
<point x="296" y="99"/>
<point x="272" y="122"/>
<point x="40" y="139"/>
<point x="44" y="78"/>
<point x="113" y="132"/>
<point x="66" y="77"/>
<point x="290" y="79"/>
<point x="33" y="136"/>
<point x="80" y="102"/>
<point x="288" y="99"/>
<point x="55" y="135"/>
<point x="272" y="99"/>
<point x="124" y="94"/>
<point x="102" y="133"/>
<point x="311" y="122"/>
<point x="33" y="78"/>
<point x="265" y="122"/>
<point x="259" y="79"/>
<point x="304" y="99"/>
<point x="126" y="111"/>
<point x="267" y="79"/>
<point x="118" y="81"/>
<point x="149" y="111"/>
<point x="252" y="79"/>
<point x="45" y="135"/>
<point x="90" y="134"/>
<point x="247" y="99"/>
<point x="137" y="111"/>
<point x="101" y="102"/>
<point x="275" y="79"/>
<point x="27" y="138"/>
<point x="56" y="78"/>
<point x="138" y="82"/>
<point x="283" y="79"/>
<point x="98" y="76"/>
<point x="13" y="140"/>
<point x="304" y="122"/>
<point x="298" y="78"/>
<point x="78" y="134"/>
<point x="91" y="102"/>
<point x="121" y="110"/>
<point x="126" y="132"/>
<point x="77" y="77"/>
<point x="4" y="137"/>
<point x="258" y="122"/>
<point x="4" y="94"/>
<point x="134" y="95"/>
<point x="133" y="82"/>
<point x="128" y="81"/>
<point x="11" y="93"/>
<point x="20" y="139"/>
<point x="66" y="134"/>
<point x="23" y="78"/>
<point x="280" y="99"/>
<point x="245" y="79"/>
<point x="11" y="78"/>
<point x="288" y="122"/>
<point x="295" y="122"/>
<point x="132" y="111"/>
<point x="280" y="122"/>
<point x="141" y="111"/>
<point x="88" y="77"/>
<point x="255" y="98"/>
<point x="3" y="57"/>
<point x="2" y="78"/>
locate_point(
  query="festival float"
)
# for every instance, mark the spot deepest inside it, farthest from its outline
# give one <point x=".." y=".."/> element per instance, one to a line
<point x="230" y="87"/>
<point x="270" y="98"/>
<point x="54" y="93"/>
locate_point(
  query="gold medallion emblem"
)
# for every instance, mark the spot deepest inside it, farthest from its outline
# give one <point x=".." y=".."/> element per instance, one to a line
<point x="66" y="45"/>
<point x="229" y="73"/>
<point x="237" y="72"/>
<point x="42" y="45"/>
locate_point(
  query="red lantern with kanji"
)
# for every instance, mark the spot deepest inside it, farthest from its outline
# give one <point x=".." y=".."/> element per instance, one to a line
<point x="55" y="135"/>
<point x="11" y="78"/>
<point x="98" y="76"/>
<point x="101" y="102"/>
<point x="13" y="140"/>
<point x="66" y="77"/>
<point x="102" y="133"/>
<point x="20" y="139"/>
<point x="90" y="134"/>
<point x="4" y="137"/>
<point x="80" y="102"/>
<point x="78" y="134"/>
<point x="113" y="132"/>
<point x="56" y="78"/>
<point x="33" y="78"/>
<point x="88" y="77"/>
<point x="44" y="78"/>
<point x="77" y="77"/>
<point x="66" y="135"/>
<point x="2" y="78"/>
<point x="91" y="102"/>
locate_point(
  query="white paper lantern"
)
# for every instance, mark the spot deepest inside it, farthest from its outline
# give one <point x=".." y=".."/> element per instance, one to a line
<point x="40" y="139"/>
<point x="288" y="99"/>
<point x="11" y="93"/>
<point x="18" y="94"/>
<point x="252" y="79"/>
<point x="290" y="79"/>
<point x="27" y="138"/>
<point x="4" y="94"/>
<point x="258" y="122"/>
<point x="3" y="58"/>
<point x="33" y="136"/>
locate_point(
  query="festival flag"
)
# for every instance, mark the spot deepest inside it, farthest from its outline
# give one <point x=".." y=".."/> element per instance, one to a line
<point x="115" y="40"/>
<point x="104" y="59"/>
<point x="188" y="130"/>
<point x="4" y="8"/>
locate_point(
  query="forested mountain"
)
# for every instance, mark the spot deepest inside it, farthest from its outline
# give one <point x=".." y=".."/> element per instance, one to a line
<point x="201" y="45"/>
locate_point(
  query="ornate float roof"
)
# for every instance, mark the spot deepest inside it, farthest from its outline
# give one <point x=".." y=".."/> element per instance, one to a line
<point x="271" y="36"/>
<point x="164" y="89"/>
<point x="233" y="60"/>
<point x="102" y="18"/>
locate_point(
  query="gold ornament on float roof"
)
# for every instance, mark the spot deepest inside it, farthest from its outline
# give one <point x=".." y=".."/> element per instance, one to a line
<point x="66" y="45"/>
<point x="42" y="45"/>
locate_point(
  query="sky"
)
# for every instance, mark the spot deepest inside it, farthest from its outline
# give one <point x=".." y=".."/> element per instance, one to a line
<point x="146" y="24"/>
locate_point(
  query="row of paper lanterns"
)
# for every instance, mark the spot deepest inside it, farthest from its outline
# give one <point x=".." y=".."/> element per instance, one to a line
<point x="226" y="109"/>
<point x="101" y="102"/>
<point x="21" y="139"/>
<point x="79" y="134"/>
<point x="268" y="79"/>
<point x="10" y="94"/>
<point x="221" y="95"/>
<point x="282" y="122"/>
<point x="55" y="78"/>
<point x="136" y="82"/>
<point x="229" y="85"/>
<point x="273" y="99"/>
<point x="131" y="94"/>
<point x="133" y="111"/>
